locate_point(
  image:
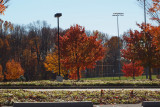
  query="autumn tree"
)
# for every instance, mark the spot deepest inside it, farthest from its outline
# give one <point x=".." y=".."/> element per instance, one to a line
<point x="3" y="6"/>
<point x="79" y="51"/>
<point x="1" y="74"/>
<point x="155" y="30"/>
<point x="51" y="64"/>
<point x="154" y="9"/>
<point x="14" y="70"/>
<point x="112" y="51"/>
<point x="140" y="48"/>
<point x="132" y="69"/>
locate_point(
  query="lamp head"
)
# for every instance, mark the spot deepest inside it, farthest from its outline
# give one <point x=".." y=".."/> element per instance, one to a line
<point x="58" y="15"/>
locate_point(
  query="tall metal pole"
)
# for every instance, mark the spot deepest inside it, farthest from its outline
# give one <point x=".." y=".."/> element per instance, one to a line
<point x="58" y="47"/>
<point x="119" y="65"/>
<point x="145" y="13"/>
<point x="118" y="49"/>
<point x="57" y="15"/>
<point x="145" y="30"/>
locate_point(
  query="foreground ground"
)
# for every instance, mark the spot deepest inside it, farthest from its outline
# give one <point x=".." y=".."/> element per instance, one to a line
<point x="83" y="83"/>
<point x="98" y="97"/>
<point x="119" y="105"/>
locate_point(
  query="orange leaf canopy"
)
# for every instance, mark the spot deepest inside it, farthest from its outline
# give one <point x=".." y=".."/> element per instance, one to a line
<point x="2" y="7"/>
<point x="14" y="70"/>
<point x="80" y="51"/>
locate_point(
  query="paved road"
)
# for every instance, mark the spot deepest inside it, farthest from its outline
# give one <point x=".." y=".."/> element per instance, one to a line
<point x="121" y="105"/>
<point x="152" y="89"/>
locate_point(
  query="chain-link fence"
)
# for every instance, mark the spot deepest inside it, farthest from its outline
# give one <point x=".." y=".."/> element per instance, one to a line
<point x="111" y="71"/>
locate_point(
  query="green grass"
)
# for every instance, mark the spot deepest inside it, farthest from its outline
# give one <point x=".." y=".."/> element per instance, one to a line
<point x="90" y="83"/>
<point x="117" y="78"/>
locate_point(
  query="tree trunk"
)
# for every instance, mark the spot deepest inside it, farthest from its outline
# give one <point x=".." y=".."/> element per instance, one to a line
<point x="78" y="73"/>
<point x="133" y="71"/>
<point x="150" y="73"/>
<point x="147" y="72"/>
<point x="4" y="71"/>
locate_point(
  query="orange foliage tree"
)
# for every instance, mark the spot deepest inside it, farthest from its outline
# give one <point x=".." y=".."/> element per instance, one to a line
<point x="132" y="69"/>
<point x="1" y="74"/>
<point x="154" y="10"/>
<point x="155" y="30"/>
<point x="140" y="47"/>
<point x="2" y="7"/>
<point x="78" y="51"/>
<point x="14" y="70"/>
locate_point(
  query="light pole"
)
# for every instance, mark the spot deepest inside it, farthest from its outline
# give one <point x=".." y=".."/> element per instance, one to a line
<point x="57" y="15"/>
<point x="144" y="1"/>
<point x="117" y="15"/>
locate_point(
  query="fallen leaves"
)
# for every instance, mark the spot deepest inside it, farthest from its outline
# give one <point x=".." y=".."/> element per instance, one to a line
<point x="109" y="96"/>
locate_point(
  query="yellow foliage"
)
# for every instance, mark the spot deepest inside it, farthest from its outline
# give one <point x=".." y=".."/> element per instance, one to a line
<point x="14" y="70"/>
<point x="51" y="64"/>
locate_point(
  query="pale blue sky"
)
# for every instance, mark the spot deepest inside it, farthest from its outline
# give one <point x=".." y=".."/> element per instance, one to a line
<point x="92" y="14"/>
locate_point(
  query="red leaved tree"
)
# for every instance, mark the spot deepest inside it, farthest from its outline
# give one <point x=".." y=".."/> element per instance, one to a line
<point x="78" y="51"/>
<point x="14" y="70"/>
<point x="132" y="69"/>
<point x="140" y="47"/>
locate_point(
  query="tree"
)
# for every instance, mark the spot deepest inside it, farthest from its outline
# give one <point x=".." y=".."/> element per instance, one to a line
<point x="156" y="39"/>
<point x="2" y="6"/>
<point x="132" y="69"/>
<point x="1" y="74"/>
<point x="79" y="51"/>
<point x="154" y="10"/>
<point x="112" y="51"/>
<point x="14" y="70"/>
<point x="51" y="64"/>
<point x="140" y="47"/>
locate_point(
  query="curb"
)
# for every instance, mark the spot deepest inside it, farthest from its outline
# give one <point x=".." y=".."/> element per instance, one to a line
<point x="74" y="87"/>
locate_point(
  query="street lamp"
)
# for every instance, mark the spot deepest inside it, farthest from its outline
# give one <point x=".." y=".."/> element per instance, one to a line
<point x="57" y="15"/>
<point x="144" y="1"/>
<point x="117" y="15"/>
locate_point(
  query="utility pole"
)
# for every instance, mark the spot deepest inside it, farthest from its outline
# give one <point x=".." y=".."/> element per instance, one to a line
<point x="119" y="65"/>
<point x="59" y="78"/>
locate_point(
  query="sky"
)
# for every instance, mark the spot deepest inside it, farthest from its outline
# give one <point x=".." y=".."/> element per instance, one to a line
<point x="91" y="14"/>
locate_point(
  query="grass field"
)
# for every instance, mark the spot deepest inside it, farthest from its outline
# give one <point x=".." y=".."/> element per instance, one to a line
<point x="117" y="78"/>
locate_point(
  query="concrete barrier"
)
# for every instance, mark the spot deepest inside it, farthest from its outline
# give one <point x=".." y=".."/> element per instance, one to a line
<point x="151" y="104"/>
<point x="53" y="104"/>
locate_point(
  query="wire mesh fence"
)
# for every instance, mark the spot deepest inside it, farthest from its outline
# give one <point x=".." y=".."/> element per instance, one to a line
<point x="111" y="71"/>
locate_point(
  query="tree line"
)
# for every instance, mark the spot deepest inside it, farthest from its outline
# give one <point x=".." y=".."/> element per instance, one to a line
<point x="31" y="51"/>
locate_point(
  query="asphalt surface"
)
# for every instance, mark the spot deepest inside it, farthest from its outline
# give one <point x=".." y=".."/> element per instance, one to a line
<point x="120" y="105"/>
<point x="152" y="89"/>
